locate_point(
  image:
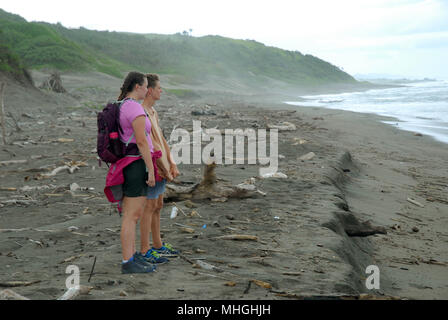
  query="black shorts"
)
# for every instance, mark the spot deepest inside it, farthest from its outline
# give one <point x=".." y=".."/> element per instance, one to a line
<point x="135" y="177"/>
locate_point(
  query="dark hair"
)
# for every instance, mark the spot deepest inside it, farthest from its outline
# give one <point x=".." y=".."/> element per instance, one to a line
<point x="152" y="79"/>
<point x="129" y="83"/>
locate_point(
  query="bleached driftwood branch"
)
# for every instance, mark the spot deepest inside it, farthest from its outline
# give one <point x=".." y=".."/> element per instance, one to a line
<point x="8" y="294"/>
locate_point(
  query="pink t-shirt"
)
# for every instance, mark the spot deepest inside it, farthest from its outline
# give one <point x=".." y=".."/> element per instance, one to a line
<point x="131" y="109"/>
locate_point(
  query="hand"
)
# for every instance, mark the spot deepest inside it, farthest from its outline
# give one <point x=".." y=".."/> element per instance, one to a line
<point x="151" y="180"/>
<point x="169" y="177"/>
<point x="166" y="174"/>
<point x="173" y="170"/>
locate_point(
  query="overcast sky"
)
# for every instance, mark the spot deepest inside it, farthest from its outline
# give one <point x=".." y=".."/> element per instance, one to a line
<point x="398" y="37"/>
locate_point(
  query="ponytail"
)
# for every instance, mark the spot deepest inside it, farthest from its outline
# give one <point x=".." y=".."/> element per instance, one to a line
<point x="129" y="83"/>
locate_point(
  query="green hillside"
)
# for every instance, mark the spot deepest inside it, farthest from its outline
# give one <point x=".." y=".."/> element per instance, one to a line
<point x="40" y="45"/>
<point x="43" y="45"/>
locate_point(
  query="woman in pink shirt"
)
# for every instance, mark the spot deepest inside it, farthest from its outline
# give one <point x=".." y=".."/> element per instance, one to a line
<point x="139" y="174"/>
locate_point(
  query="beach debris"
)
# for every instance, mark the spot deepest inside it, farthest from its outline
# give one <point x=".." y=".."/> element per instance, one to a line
<point x="173" y="213"/>
<point x="433" y="199"/>
<point x="123" y="293"/>
<point x="12" y="284"/>
<point x="417" y="134"/>
<point x="8" y="189"/>
<point x="187" y="229"/>
<point x="237" y="237"/>
<point x="292" y="273"/>
<point x="248" y="187"/>
<point x="24" y="229"/>
<point x="193" y="214"/>
<point x="72" y="258"/>
<point x="209" y="188"/>
<point x="230" y="217"/>
<point x="179" y="208"/>
<point x="8" y="162"/>
<point x="206" y="266"/>
<point x="216" y="224"/>
<point x="396" y="227"/>
<point x="72" y="228"/>
<point x="74" y="187"/>
<point x="56" y="171"/>
<point x="36" y="188"/>
<point x="250" y="181"/>
<point x="75" y="291"/>
<point x="40" y="244"/>
<point x="200" y="251"/>
<point x="284" y="126"/>
<point x="230" y="284"/>
<point x="203" y="113"/>
<point x="219" y="200"/>
<point x="274" y="175"/>
<point x="307" y="156"/>
<point x="433" y="261"/>
<point x="415" y="229"/>
<point x="189" y="204"/>
<point x="403" y="215"/>
<point x="262" y="284"/>
<point x="53" y="83"/>
<point x="64" y="140"/>
<point x="91" y="271"/>
<point x="415" y="202"/>
<point x="18" y="201"/>
<point x="334" y="297"/>
<point x="298" y="141"/>
<point x="8" y="294"/>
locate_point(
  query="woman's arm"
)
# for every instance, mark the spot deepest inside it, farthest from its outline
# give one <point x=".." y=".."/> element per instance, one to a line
<point x="174" y="172"/>
<point x="140" y="136"/>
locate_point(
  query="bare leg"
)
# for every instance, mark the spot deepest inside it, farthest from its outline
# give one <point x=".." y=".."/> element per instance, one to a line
<point x="132" y="212"/>
<point x="155" y="226"/>
<point x="145" y="224"/>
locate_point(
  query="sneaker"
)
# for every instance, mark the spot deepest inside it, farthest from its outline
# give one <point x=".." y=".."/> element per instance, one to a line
<point x="135" y="266"/>
<point x="166" y="250"/>
<point x="153" y="257"/>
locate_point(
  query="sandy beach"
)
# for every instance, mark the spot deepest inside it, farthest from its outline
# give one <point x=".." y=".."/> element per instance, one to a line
<point x="370" y="195"/>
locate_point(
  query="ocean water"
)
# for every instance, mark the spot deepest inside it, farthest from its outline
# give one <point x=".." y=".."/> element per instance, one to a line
<point x="420" y="107"/>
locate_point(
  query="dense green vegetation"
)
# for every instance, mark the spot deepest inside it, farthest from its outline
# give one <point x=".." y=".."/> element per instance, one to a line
<point x="43" y="45"/>
<point x="11" y="64"/>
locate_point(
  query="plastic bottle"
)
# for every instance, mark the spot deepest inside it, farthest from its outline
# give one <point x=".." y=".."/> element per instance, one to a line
<point x="173" y="212"/>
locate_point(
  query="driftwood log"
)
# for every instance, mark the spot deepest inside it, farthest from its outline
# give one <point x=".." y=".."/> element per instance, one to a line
<point x="210" y="188"/>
